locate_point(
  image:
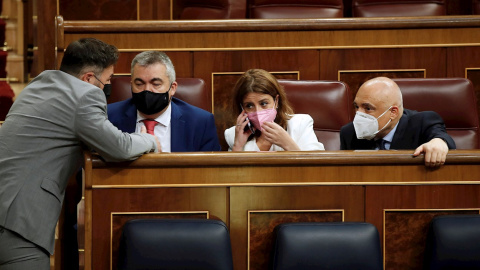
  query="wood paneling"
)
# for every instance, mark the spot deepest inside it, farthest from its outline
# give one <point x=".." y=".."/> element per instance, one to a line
<point x="319" y="49"/>
<point x="354" y="79"/>
<point x="154" y="9"/>
<point x="171" y="201"/>
<point x="44" y="29"/>
<point x="252" y="192"/>
<point x="473" y="74"/>
<point x="465" y="62"/>
<point x="316" y="48"/>
<point x="244" y="199"/>
<point x="427" y="200"/>
<point x="182" y="62"/>
<point x="459" y="7"/>
<point x="383" y="59"/>
<point x="207" y="63"/>
<point x="261" y="225"/>
<point x="98" y="9"/>
<point x="119" y="219"/>
<point x="460" y="58"/>
<point x="405" y="228"/>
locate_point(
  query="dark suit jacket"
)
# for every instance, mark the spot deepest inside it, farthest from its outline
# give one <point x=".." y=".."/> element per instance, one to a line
<point x="414" y="129"/>
<point x="193" y="129"/>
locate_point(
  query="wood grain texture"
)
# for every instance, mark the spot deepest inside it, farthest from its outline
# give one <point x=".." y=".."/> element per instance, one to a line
<point x="319" y="49"/>
<point x="406" y="234"/>
<point x="182" y="62"/>
<point x="154" y="9"/>
<point x="278" y="187"/>
<point x="387" y="59"/>
<point x="384" y="206"/>
<point x="330" y="199"/>
<point x="464" y="63"/>
<point x="119" y="219"/>
<point x="98" y="9"/>
<point x="261" y="236"/>
<point x="431" y="22"/>
<point x="173" y="202"/>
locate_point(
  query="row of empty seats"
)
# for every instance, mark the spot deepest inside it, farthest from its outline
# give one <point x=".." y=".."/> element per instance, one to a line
<point x="453" y="242"/>
<point x="276" y="9"/>
<point x="330" y="103"/>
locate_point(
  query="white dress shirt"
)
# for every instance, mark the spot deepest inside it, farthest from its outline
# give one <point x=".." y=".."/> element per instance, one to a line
<point x="163" y="130"/>
<point x="388" y="138"/>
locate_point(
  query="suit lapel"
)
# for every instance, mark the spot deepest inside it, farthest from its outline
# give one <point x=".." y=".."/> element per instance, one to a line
<point x="178" y="143"/>
<point x="397" y="142"/>
<point x="129" y="121"/>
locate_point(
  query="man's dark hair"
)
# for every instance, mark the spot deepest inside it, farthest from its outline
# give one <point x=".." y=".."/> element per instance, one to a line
<point x="88" y="54"/>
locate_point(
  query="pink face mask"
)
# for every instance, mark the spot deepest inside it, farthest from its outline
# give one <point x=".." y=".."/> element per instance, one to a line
<point x="259" y="117"/>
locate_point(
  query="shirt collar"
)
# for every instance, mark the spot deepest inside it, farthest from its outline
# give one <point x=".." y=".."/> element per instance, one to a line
<point x="389" y="136"/>
<point x="163" y="119"/>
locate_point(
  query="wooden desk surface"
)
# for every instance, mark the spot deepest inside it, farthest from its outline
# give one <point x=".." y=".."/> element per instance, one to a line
<point x="284" y="168"/>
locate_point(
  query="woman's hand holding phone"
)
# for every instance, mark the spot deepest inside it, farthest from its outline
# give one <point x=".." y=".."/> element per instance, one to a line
<point x="242" y="131"/>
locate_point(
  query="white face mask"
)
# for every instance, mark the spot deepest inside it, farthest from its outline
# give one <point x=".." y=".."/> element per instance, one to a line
<point x="366" y="125"/>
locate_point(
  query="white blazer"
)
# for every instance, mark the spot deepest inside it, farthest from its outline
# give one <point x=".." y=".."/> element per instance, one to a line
<point x="299" y="127"/>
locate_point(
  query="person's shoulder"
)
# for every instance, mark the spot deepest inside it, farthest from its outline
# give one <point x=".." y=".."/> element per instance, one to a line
<point x="120" y="104"/>
<point x="301" y="117"/>
<point x="229" y="131"/>
<point x="347" y="128"/>
<point x="412" y="114"/>
<point x="60" y="76"/>
<point x="57" y="78"/>
<point x="299" y="121"/>
<point x="189" y="108"/>
<point x="65" y="84"/>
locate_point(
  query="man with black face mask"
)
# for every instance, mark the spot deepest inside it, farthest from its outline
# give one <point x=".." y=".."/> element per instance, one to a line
<point x="179" y="126"/>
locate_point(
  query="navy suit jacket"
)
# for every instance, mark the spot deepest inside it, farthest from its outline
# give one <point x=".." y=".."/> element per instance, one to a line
<point x="193" y="129"/>
<point x="414" y="129"/>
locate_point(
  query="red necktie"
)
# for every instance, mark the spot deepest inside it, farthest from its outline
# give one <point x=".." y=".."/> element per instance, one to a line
<point x="150" y="125"/>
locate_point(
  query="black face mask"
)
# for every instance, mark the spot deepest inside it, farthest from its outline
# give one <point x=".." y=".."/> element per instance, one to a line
<point x="149" y="102"/>
<point x="107" y="90"/>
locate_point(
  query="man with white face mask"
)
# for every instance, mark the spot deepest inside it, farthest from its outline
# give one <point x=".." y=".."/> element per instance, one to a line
<point x="381" y="122"/>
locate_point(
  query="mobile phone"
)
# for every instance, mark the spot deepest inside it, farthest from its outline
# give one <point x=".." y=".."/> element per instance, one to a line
<point x="248" y="126"/>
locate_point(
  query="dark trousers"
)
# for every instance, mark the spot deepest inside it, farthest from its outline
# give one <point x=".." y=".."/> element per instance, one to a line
<point x="17" y="253"/>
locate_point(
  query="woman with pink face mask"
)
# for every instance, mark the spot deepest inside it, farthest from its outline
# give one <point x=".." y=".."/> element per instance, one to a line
<point x="265" y="120"/>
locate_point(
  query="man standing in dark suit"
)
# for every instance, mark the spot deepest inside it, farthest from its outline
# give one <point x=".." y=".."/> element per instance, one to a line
<point x="179" y="126"/>
<point x="382" y="123"/>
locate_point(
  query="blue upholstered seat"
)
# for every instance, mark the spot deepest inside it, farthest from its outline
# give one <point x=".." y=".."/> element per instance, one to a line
<point x="175" y="244"/>
<point x="453" y="242"/>
<point x="329" y="245"/>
